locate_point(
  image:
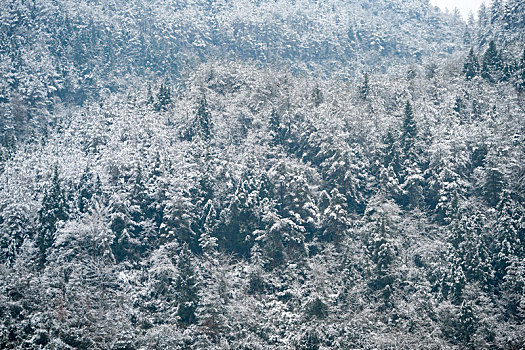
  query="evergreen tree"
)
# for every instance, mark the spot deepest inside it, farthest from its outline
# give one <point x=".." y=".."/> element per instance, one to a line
<point x="213" y="297"/>
<point x="390" y="152"/>
<point x="496" y="11"/>
<point x="186" y="287"/>
<point x="467" y="324"/>
<point x="482" y="16"/>
<point x="492" y="66"/>
<point x="409" y="131"/>
<point x="86" y="190"/>
<point x="15" y="228"/>
<point x="365" y="87"/>
<point x="382" y="253"/>
<point x="513" y="290"/>
<point x="207" y="242"/>
<point x="520" y="73"/>
<point x="276" y="130"/>
<point x="336" y="222"/>
<point x="317" y="96"/>
<point x="509" y="235"/>
<point x="471" y="66"/>
<point x="412" y="180"/>
<point x="493" y="185"/>
<point x="202" y="124"/>
<point x="54" y="208"/>
<point x="180" y="220"/>
<point x="468" y="254"/>
<point x="163" y="99"/>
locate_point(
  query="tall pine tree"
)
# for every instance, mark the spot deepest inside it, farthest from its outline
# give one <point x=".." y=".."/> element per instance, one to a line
<point x="471" y="66"/>
<point x="54" y="209"/>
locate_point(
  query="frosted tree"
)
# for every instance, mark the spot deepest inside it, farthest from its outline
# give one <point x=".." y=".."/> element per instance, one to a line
<point x="492" y="63"/>
<point x="54" y="209"/>
<point x="335" y="218"/>
<point x="16" y="227"/>
<point x="186" y="287"/>
<point x="471" y="66"/>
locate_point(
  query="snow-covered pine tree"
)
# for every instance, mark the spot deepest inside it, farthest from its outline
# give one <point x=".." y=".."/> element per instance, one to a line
<point x="53" y="210"/>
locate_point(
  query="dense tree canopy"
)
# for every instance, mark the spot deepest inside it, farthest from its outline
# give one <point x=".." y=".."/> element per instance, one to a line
<point x="261" y="175"/>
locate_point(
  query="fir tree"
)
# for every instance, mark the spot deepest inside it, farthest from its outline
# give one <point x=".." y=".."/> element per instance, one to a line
<point x="163" y="97"/>
<point x="335" y="218"/>
<point x="277" y="132"/>
<point x="471" y="66"/>
<point x="186" y="288"/>
<point x="382" y="253"/>
<point x="467" y="323"/>
<point x="520" y="73"/>
<point x="509" y="234"/>
<point x="15" y="228"/>
<point x="202" y="124"/>
<point x="86" y="190"/>
<point x="493" y="185"/>
<point x="365" y="87"/>
<point x="409" y="130"/>
<point x="317" y="96"/>
<point x="390" y="152"/>
<point x="492" y="66"/>
<point x="54" y="209"/>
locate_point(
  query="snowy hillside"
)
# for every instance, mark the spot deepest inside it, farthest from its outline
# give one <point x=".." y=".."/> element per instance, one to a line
<point x="261" y="175"/>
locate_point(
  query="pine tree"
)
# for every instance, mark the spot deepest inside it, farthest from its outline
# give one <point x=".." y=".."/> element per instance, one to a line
<point x="276" y="130"/>
<point x="390" y="152"/>
<point x="471" y="66"/>
<point x="163" y="97"/>
<point x="213" y="297"/>
<point x="409" y="130"/>
<point x="496" y="11"/>
<point x="513" y="290"/>
<point x="239" y="220"/>
<point x="467" y="323"/>
<point x="520" y="73"/>
<point x="509" y="235"/>
<point x="141" y="213"/>
<point x="469" y="257"/>
<point x="412" y="180"/>
<point x="180" y="221"/>
<point x="203" y="124"/>
<point x="15" y="228"/>
<point x="492" y="67"/>
<point x="186" y="287"/>
<point x="365" y="87"/>
<point x="336" y="222"/>
<point x="317" y="96"/>
<point x="54" y="209"/>
<point x="382" y="253"/>
<point x="493" y="185"/>
<point x="207" y="242"/>
<point x="454" y="281"/>
<point x="86" y="190"/>
<point x="482" y="16"/>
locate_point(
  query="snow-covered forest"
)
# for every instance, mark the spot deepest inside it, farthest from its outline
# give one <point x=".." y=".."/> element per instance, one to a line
<point x="261" y="174"/>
